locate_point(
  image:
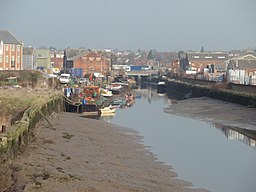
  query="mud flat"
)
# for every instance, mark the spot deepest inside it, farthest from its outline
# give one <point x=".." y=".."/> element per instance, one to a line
<point x="215" y="111"/>
<point x="78" y="154"/>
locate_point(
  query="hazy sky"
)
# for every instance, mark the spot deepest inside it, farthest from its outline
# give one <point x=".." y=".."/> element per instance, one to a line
<point x="169" y="25"/>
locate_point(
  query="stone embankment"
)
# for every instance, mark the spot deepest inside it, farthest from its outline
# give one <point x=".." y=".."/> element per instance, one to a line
<point x="182" y="89"/>
<point x="17" y="136"/>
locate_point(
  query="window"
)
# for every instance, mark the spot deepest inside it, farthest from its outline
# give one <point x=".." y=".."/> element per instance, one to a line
<point x="59" y="56"/>
<point x="12" y="62"/>
<point x="196" y="57"/>
<point x="1" y="58"/>
<point x="1" y="48"/>
<point x="13" y="47"/>
<point x="6" y="47"/>
<point x="208" y="57"/>
<point x="18" y="48"/>
<point x="6" y="59"/>
<point x="18" y="59"/>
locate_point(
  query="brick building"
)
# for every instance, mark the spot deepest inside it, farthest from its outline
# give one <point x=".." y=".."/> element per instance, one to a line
<point x="200" y="60"/>
<point x="11" y="51"/>
<point x="90" y="62"/>
<point x="57" y="59"/>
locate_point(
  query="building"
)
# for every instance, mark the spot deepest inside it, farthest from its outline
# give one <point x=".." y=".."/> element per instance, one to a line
<point x="90" y="62"/>
<point x="29" y="58"/>
<point x="174" y="68"/>
<point x="246" y="62"/>
<point x="57" y="58"/>
<point x="242" y="70"/>
<point x="68" y="55"/>
<point x="201" y="60"/>
<point x="43" y="59"/>
<point x="72" y="52"/>
<point x="11" y="51"/>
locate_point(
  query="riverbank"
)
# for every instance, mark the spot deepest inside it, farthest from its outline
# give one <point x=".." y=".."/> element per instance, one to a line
<point x="14" y="101"/>
<point x="79" y="154"/>
<point x="215" y="111"/>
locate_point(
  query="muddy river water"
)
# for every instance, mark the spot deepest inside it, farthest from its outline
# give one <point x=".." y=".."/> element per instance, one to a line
<point x="211" y="157"/>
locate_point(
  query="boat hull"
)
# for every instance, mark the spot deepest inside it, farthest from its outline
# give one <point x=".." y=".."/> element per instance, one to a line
<point x="107" y="110"/>
<point x="161" y="87"/>
<point x="89" y="110"/>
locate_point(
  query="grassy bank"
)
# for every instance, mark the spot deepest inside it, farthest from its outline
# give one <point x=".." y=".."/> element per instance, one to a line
<point x="13" y="102"/>
<point x="22" y="109"/>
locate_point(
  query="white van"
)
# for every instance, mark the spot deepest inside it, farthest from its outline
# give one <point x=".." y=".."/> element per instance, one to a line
<point x="64" y="78"/>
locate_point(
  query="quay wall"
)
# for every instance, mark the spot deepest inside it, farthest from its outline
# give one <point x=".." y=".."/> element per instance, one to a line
<point x="233" y="86"/>
<point x="17" y="136"/>
<point x="183" y="90"/>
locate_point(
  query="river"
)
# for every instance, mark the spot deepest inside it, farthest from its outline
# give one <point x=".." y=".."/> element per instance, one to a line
<point x="209" y="156"/>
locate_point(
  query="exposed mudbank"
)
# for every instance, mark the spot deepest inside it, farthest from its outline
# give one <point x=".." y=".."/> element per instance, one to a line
<point x="78" y="154"/>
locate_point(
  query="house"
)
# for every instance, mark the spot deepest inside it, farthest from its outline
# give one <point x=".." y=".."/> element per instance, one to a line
<point x="57" y="58"/>
<point x="246" y="62"/>
<point x="242" y="70"/>
<point x="43" y="59"/>
<point x="29" y="58"/>
<point x="10" y="51"/>
<point x="201" y="60"/>
<point x="90" y="62"/>
<point x="68" y="55"/>
<point x="174" y="68"/>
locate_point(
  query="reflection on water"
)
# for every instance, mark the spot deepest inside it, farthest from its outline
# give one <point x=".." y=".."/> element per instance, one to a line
<point x="107" y="117"/>
<point x="246" y="136"/>
<point x="197" y="150"/>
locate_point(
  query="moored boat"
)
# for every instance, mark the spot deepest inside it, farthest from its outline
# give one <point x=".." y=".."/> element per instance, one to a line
<point x="106" y="93"/>
<point x="115" y="105"/>
<point x="107" y="110"/>
<point x="89" y="110"/>
<point x="161" y="87"/>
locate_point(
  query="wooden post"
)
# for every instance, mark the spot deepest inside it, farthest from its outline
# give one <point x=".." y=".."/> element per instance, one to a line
<point x="4" y="129"/>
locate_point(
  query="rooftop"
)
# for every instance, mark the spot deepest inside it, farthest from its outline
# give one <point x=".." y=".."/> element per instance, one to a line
<point x="8" y="38"/>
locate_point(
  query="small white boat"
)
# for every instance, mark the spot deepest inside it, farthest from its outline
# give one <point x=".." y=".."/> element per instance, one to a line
<point x="114" y="105"/>
<point x="161" y="87"/>
<point x="107" y="115"/>
<point x="106" y="93"/>
<point x="161" y="94"/>
<point x="161" y="83"/>
<point x="107" y="110"/>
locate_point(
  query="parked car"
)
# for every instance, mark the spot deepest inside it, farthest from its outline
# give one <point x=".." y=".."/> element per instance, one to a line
<point x="64" y="78"/>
